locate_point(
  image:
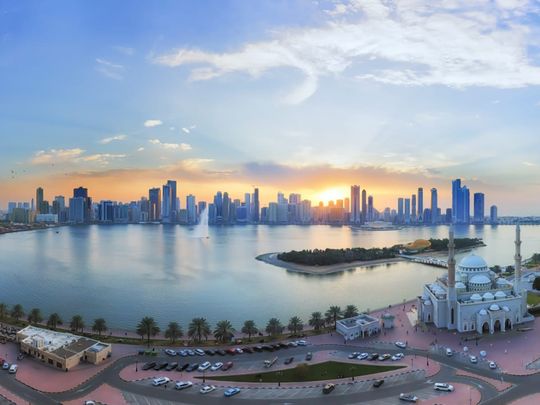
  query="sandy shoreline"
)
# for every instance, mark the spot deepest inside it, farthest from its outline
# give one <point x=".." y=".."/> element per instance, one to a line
<point x="271" y="258"/>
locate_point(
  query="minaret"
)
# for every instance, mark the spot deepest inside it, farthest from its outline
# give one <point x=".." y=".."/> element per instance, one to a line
<point x="452" y="298"/>
<point x="517" y="262"/>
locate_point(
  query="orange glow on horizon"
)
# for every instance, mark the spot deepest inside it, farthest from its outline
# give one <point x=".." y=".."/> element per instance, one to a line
<point x="331" y="194"/>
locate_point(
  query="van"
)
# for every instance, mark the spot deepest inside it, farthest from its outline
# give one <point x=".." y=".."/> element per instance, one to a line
<point x="443" y="387"/>
<point x="13" y="369"/>
<point x="449" y="352"/>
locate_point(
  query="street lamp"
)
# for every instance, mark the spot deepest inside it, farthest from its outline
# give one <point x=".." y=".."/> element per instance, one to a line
<point x="136" y="366"/>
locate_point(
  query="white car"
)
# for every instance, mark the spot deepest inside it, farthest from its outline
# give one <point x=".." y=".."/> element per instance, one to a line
<point x="492" y="365"/>
<point x="363" y="356"/>
<point x="443" y="387"/>
<point x="408" y="397"/>
<point x="181" y="385"/>
<point x="216" y="366"/>
<point x="199" y="352"/>
<point x="473" y="359"/>
<point x="397" y="356"/>
<point x="183" y="353"/>
<point x="353" y="355"/>
<point x="205" y="366"/>
<point x="170" y="352"/>
<point x="206" y="389"/>
<point x="449" y="352"/>
<point x="5" y="366"/>
<point x="401" y="345"/>
<point x="13" y="369"/>
<point x="301" y="343"/>
<point x="156" y="382"/>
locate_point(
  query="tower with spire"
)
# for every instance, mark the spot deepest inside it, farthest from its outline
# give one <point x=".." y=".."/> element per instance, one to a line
<point x="451" y="281"/>
<point x="517" y="262"/>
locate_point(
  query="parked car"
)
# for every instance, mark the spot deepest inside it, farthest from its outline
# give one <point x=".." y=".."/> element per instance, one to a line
<point x="192" y="367"/>
<point x="13" y="369"/>
<point x="449" y="352"/>
<point x="283" y="345"/>
<point x="247" y="350"/>
<point x="328" y="388"/>
<point x="373" y="356"/>
<point x="231" y="351"/>
<point x="443" y="387"/>
<point x="231" y="391"/>
<point x="397" y="356"/>
<point x="161" y="365"/>
<point x="408" y="397"/>
<point x="353" y="355"/>
<point x="258" y="348"/>
<point x="156" y="382"/>
<point x="171" y="366"/>
<point x="276" y="346"/>
<point x="292" y="344"/>
<point x="378" y="383"/>
<point x="363" y="356"/>
<point x="492" y="365"/>
<point x="199" y="352"/>
<point x="170" y="352"/>
<point x="221" y="352"/>
<point x="309" y="356"/>
<point x="473" y="359"/>
<point x="149" y="365"/>
<point x="210" y="352"/>
<point x="182" y="385"/>
<point x="227" y="366"/>
<point x="205" y="389"/>
<point x="5" y="366"/>
<point x="216" y="366"/>
<point x="182" y="367"/>
<point x="183" y="353"/>
<point x="401" y="345"/>
<point x="205" y="366"/>
<point x="288" y="360"/>
<point x="301" y="343"/>
<point x="190" y="352"/>
<point x="238" y="350"/>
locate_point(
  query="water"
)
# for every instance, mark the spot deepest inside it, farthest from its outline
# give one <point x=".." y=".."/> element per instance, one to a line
<point x="201" y="229"/>
<point x="124" y="272"/>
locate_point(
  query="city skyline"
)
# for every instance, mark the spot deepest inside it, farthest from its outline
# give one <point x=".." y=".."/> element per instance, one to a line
<point x="271" y="102"/>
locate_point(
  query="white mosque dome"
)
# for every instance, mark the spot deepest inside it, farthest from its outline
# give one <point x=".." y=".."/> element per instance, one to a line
<point x="427" y="302"/>
<point x="480" y="279"/>
<point x="502" y="281"/>
<point x="473" y="262"/>
<point x="494" y="307"/>
<point x="460" y="285"/>
<point x="476" y="297"/>
<point x="500" y="294"/>
<point x="506" y="309"/>
<point x="488" y="296"/>
<point x="482" y="312"/>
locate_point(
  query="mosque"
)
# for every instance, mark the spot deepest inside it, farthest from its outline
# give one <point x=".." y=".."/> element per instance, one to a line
<point x="475" y="299"/>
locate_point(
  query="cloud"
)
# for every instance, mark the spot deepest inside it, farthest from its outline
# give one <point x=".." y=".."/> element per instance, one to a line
<point x="406" y="43"/>
<point x="152" y="123"/>
<point x="125" y="50"/>
<point x="53" y="156"/>
<point x="140" y="149"/>
<point x="529" y="164"/>
<point x="120" y="137"/>
<point x="109" y="69"/>
<point x="171" y="146"/>
<point x="101" y="158"/>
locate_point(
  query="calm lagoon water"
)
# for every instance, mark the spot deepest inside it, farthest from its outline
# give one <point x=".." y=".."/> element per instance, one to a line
<point x="124" y="272"/>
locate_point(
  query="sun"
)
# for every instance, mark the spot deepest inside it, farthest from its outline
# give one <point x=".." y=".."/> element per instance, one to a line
<point x="331" y="194"/>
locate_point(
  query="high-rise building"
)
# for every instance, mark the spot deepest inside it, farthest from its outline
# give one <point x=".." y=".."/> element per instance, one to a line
<point x="154" y="204"/>
<point x="355" y="205"/>
<point x="493" y="216"/>
<point x="281" y="198"/>
<point x="413" y="209"/>
<point x="166" y="203"/>
<point x="400" y="211"/>
<point x="247" y="203"/>
<point x="370" y="209"/>
<point x="77" y="210"/>
<point x="39" y="200"/>
<point x="191" y="209"/>
<point x="407" y="210"/>
<point x="364" y="206"/>
<point x="456" y="197"/>
<point x="256" y="207"/>
<point x="82" y="192"/>
<point x="434" y="206"/>
<point x="226" y="208"/>
<point x="420" y="204"/>
<point x="478" y="208"/>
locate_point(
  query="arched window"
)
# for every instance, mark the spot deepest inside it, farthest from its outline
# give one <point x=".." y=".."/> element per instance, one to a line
<point x="452" y="316"/>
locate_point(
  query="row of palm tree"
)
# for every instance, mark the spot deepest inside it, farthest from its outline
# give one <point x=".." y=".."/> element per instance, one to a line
<point x="35" y="317"/>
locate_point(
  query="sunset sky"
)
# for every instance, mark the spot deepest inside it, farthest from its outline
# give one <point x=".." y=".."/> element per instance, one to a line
<point x="292" y="96"/>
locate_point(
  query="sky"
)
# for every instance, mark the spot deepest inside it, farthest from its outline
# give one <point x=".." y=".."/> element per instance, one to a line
<point x="293" y="96"/>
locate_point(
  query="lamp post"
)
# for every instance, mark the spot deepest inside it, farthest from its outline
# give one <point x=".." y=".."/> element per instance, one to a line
<point x="136" y="366"/>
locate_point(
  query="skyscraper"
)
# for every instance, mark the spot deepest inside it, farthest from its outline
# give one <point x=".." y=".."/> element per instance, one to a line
<point x="434" y="206"/>
<point x="456" y="196"/>
<point x="82" y="192"/>
<point x="355" y="204"/>
<point x="364" y="206"/>
<point x="407" y="210"/>
<point x="420" y="204"/>
<point x="478" y="208"/>
<point x="413" y="210"/>
<point x="173" y="214"/>
<point x="400" y="211"/>
<point x="191" y="209"/>
<point x="256" y="208"/>
<point x="166" y="204"/>
<point x="39" y="200"/>
<point x="370" y="209"/>
<point x="154" y="204"/>
<point x="493" y="216"/>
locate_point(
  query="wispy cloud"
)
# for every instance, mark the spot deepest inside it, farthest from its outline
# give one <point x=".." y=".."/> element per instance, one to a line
<point x="110" y="139"/>
<point x="399" y="43"/>
<point x="101" y="158"/>
<point x="109" y="69"/>
<point x="125" y="50"/>
<point x="188" y="130"/>
<point x="171" y="146"/>
<point x="53" y="156"/>
<point x="152" y="123"/>
<point x="140" y="149"/>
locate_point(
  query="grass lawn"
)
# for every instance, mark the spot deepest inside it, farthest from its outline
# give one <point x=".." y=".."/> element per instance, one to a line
<point x="317" y="372"/>
<point x="533" y="299"/>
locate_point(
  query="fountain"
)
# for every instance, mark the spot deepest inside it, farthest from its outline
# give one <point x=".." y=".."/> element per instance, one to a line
<point x="201" y="229"/>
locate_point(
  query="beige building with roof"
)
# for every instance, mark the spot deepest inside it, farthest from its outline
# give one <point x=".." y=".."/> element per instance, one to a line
<point x="61" y="350"/>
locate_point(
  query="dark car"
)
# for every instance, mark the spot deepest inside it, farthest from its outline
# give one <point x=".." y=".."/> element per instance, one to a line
<point x="182" y="367"/>
<point x="373" y="356"/>
<point x="258" y="348"/>
<point x="171" y="366"/>
<point x="247" y="350"/>
<point x="231" y="351"/>
<point x="161" y="365"/>
<point x="268" y="348"/>
<point x="289" y="360"/>
<point x="283" y="345"/>
<point x="276" y="347"/>
<point x="378" y="383"/>
<point x="210" y="352"/>
<point x="328" y="388"/>
<point x="192" y="367"/>
<point x="221" y="352"/>
<point x="149" y="365"/>
<point x="227" y="366"/>
<point x="309" y="356"/>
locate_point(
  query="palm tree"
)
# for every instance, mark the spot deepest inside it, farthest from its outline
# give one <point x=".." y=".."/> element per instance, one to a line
<point x="54" y="320"/>
<point x="295" y="325"/>
<point x="3" y="310"/>
<point x="249" y="328"/>
<point x="333" y="314"/>
<point x="199" y="328"/>
<point x="35" y="316"/>
<point x="350" y="311"/>
<point x="147" y="327"/>
<point x="17" y="312"/>
<point x="316" y="321"/>
<point x="77" y="323"/>
<point x="99" y="326"/>
<point x="274" y="327"/>
<point x="173" y="332"/>
<point x="224" y="331"/>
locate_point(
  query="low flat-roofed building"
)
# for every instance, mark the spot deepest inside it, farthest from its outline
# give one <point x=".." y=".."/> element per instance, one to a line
<point x="358" y="326"/>
<point x="61" y="350"/>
